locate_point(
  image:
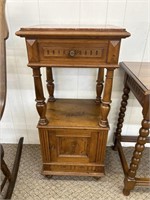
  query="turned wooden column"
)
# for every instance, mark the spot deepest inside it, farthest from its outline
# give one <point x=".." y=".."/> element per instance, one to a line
<point x="40" y="99"/>
<point x="130" y="179"/>
<point x="124" y="103"/>
<point x="105" y="105"/>
<point x="99" y="85"/>
<point x="50" y="84"/>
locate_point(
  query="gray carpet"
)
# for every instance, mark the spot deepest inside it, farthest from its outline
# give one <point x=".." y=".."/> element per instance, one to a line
<point x="31" y="185"/>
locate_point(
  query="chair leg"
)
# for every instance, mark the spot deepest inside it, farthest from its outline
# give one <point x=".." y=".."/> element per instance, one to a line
<point x="4" y="168"/>
<point x="11" y="176"/>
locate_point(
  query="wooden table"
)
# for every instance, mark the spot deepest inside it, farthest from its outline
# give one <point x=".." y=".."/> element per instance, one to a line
<point x="73" y="133"/>
<point x="137" y="80"/>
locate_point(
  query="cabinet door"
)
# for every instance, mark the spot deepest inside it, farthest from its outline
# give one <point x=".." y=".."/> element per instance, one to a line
<point x="73" y="145"/>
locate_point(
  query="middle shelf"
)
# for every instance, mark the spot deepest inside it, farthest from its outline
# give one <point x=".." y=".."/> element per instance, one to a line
<point x="73" y="113"/>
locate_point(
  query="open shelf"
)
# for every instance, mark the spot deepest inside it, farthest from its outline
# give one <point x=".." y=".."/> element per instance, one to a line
<point x="73" y="113"/>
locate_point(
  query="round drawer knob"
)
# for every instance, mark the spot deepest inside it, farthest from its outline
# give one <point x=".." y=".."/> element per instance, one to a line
<point x="72" y="53"/>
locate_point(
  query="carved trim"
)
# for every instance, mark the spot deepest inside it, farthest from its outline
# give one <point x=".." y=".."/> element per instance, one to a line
<point x="113" y="51"/>
<point x="79" y="52"/>
<point x="114" y="43"/>
<point x="136" y="89"/>
<point x="32" y="47"/>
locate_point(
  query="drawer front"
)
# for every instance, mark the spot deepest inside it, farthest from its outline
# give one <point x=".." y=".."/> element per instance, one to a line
<point x="65" y="52"/>
<point x="70" y="49"/>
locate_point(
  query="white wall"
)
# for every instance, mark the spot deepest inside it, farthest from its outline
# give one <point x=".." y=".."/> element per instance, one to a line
<point x="20" y="116"/>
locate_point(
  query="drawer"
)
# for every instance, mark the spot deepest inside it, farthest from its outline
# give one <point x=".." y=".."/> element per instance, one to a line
<point x="65" y="52"/>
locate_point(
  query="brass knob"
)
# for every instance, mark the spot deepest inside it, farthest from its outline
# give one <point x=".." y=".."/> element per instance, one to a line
<point x="72" y="53"/>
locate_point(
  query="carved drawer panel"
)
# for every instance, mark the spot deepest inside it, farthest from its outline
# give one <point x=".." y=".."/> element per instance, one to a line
<point x="67" y="52"/>
<point x="69" y="49"/>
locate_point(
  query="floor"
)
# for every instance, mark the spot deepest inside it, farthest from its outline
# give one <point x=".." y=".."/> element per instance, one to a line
<point x="31" y="185"/>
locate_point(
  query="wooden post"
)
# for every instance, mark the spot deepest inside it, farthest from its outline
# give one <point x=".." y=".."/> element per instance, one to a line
<point x="99" y="85"/>
<point x="50" y="84"/>
<point x="40" y="99"/>
<point x="105" y="105"/>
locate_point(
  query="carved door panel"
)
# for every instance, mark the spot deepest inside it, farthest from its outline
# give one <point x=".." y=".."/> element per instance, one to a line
<point x="73" y="146"/>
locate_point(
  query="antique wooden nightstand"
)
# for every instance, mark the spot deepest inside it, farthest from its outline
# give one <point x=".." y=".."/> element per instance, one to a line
<point x="73" y="132"/>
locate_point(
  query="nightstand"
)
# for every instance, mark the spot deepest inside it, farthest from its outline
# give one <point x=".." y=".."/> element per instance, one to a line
<point x="73" y="132"/>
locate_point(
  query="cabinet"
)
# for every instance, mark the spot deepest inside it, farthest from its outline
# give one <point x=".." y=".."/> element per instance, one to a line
<point x="73" y="132"/>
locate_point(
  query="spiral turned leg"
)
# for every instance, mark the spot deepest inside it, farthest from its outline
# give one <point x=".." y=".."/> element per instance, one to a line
<point x="129" y="181"/>
<point x="124" y="103"/>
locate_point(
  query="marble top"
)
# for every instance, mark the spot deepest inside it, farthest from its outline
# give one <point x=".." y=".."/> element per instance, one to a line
<point x="73" y="30"/>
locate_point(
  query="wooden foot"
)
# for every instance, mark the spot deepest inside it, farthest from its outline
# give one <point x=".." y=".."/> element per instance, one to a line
<point x="126" y="192"/>
<point x="49" y="176"/>
<point x="115" y="148"/>
<point x="96" y="178"/>
<point x="129" y="185"/>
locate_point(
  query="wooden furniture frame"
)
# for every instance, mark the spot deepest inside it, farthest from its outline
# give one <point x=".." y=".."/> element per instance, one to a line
<point x="137" y="80"/>
<point x="8" y="175"/>
<point x="73" y="133"/>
